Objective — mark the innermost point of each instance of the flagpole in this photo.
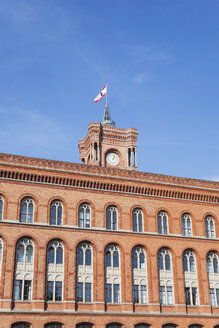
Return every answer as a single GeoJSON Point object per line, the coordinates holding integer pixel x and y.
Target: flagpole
{"type": "Point", "coordinates": [106, 94]}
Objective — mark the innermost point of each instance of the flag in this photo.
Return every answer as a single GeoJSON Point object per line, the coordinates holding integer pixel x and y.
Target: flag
{"type": "Point", "coordinates": [101, 94]}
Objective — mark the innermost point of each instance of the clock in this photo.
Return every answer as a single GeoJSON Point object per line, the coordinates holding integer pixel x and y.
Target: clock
{"type": "Point", "coordinates": [112, 159]}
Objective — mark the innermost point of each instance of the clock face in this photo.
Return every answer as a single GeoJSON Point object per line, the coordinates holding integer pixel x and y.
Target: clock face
{"type": "Point", "coordinates": [112, 159]}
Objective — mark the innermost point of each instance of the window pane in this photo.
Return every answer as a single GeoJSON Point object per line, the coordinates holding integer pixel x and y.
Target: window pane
{"type": "Point", "coordinates": [187, 295]}
{"type": "Point", "coordinates": [114, 220]}
{"type": "Point", "coordinates": [134, 221]}
{"type": "Point", "coordinates": [58, 291]}
{"type": "Point", "coordinates": [217, 296]}
{"type": "Point", "coordinates": [108, 293]}
{"type": "Point", "coordinates": [87, 292]}
{"type": "Point", "coordinates": [169, 295]}
{"type": "Point", "coordinates": [162, 295]}
{"type": "Point", "coordinates": [183, 226]}
{"type": "Point", "coordinates": [134, 260]}
{"type": "Point", "coordinates": [81, 217]}
{"type": "Point", "coordinates": [185, 263]}
{"type": "Point", "coordinates": [29, 254]}
{"type": "Point", "coordinates": [194, 296]}
{"type": "Point", "coordinates": [18, 290]}
{"type": "Point", "coordinates": [0, 251]}
{"type": "Point", "coordinates": [143, 294]}
{"type": "Point", "coordinates": [215, 265]}
{"type": "Point", "coordinates": [142, 261]}
{"type": "Point", "coordinates": [79, 292]}
{"type": "Point", "coordinates": [192, 263]}
{"type": "Point", "coordinates": [212, 298]}
{"type": "Point", "coordinates": [20, 253]}
{"type": "Point", "coordinates": [87, 218]}
{"type": "Point", "coordinates": [51, 255]}
{"type": "Point", "coordinates": [140, 225]}
{"type": "Point", "coordinates": [165, 225]}
{"type": "Point", "coordinates": [116, 293]}
{"type": "Point", "coordinates": [1, 208]}
{"type": "Point", "coordinates": [108, 220]}
{"type": "Point", "coordinates": [88, 257]}
{"type": "Point", "coordinates": [59, 218]}
{"type": "Point", "coordinates": [135, 294]}
{"type": "Point", "coordinates": [160, 261]}
{"type": "Point", "coordinates": [160, 231]}
{"type": "Point", "coordinates": [115, 259]}
{"type": "Point", "coordinates": [59, 255]}
{"type": "Point", "coordinates": [167, 262]}
{"type": "Point", "coordinates": [27, 289]}
{"type": "Point", "coordinates": [108, 259]}
{"type": "Point", "coordinates": [49, 289]}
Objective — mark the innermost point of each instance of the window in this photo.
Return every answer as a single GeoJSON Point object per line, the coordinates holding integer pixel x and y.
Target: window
{"type": "Point", "coordinates": [84, 216]}
{"type": "Point", "coordinates": [84, 273]}
{"type": "Point", "coordinates": [164, 260]}
{"type": "Point", "coordinates": [20, 325]}
{"type": "Point", "coordinates": [53, 325]}
{"type": "Point", "coordinates": [1, 255]}
{"type": "Point", "coordinates": [189, 262]}
{"type": "Point", "coordinates": [162, 220]}
{"type": "Point", "coordinates": [165, 277]}
{"type": "Point", "coordinates": [113, 325]}
{"type": "Point", "coordinates": [191, 295]}
{"type": "Point", "coordinates": [195, 326]}
{"type": "Point", "coordinates": [142, 325]}
{"type": "Point", "coordinates": [186, 225]}
{"type": "Point", "coordinates": [56, 213]}
{"type": "Point", "coordinates": [27, 207]}
{"type": "Point", "coordinates": [137, 220]}
{"type": "Point", "coordinates": [169, 325]}
{"type": "Point", "coordinates": [111, 218]}
{"type": "Point", "coordinates": [139, 275]}
{"type": "Point", "coordinates": [1, 208]}
{"type": "Point", "coordinates": [23, 270]}
{"type": "Point", "coordinates": [84, 325]}
{"type": "Point", "coordinates": [212, 263]}
{"type": "Point", "coordinates": [55, 271]}
{"type": "Point", "coordinates": [209, 227]}
{"type": "Point", "coordinates": [113, 274]}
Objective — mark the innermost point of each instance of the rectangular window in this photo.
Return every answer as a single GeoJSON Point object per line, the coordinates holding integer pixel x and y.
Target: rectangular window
{"type": "Point", "coordinates": [212, 298]}
{"type": "Point", "coordinates": [27, 290]}
{"type": "Point", "coordinates": [58, 291]}
{"type": "Point", "coordinates": [187, 296]}
{"type": "Point", "coordinates": [18, 289]}
{"type": "Point", "coordinates": [108, 293]}
{"type": "Point", "coordinates": [87, 292]}
{"type": "Point", "coordinates": [79, 292]}
{"type": "Point", "coordinates": [169, 295]}
{"type": "Point", "coordinates": [49, 289]}
{"type": "Point", "coordinates": [194, 296]}
{"type": "Point", "coordinates": [162, 295]}
{"type": "Point", "coordinates": [217, 296]}
{"type": "Point", "coordinates": [143, 294]}
{"type": "Point", "coordinates": [135, 294]}
{"type": "Point", "coordinates": [116, 293]}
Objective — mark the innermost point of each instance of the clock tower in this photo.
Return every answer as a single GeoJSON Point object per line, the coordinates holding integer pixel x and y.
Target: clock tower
{"type": "Point", "coordinates": [108, 146]}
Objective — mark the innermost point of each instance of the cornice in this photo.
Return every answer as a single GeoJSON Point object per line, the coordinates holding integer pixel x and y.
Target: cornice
{"type": "Point", "coordinates": [68, 167]}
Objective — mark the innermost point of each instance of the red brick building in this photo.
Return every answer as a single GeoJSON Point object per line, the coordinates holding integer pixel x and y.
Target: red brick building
{"type": "Point", "coordinates": [99, 244]}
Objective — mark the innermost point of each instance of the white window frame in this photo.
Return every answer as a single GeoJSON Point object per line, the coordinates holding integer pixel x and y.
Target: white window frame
{"type": "Point", "coordinates": [57, 203]}
{"type": "Point", "coordinates": [113, 274]}
{"type": "Point", "coordinates": [84, 205]}
{"type": "Point", "coordinates": [209, 219]}
{"type": "Point", "coordinates": [29, 200]}
{"type": "Point", "coordinates": [187, 218]}
{"type": "Point", "coordinates": [160, 216]}
{"type": "Point", "coordinates": [139, 275]}
{"type": "Point", "coordinates": [138, 211]}
{"type": "Point", "coordinates": [112, 209]}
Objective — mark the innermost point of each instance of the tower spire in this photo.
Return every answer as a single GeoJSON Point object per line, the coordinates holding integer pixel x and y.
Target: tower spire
{"type": "Point", "coordinates": [106, 117]}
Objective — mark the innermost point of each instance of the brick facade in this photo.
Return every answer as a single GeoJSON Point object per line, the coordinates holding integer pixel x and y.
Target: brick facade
{"type": "Point", "coordinates": [44, 181]}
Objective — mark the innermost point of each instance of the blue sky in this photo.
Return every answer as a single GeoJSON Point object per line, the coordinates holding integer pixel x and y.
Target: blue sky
{"type": "Point", "coordinates": [160, 60]}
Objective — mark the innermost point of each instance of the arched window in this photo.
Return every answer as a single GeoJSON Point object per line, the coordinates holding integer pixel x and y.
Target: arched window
{"type": "Point", "coordinates": [137, 220]}
{"type": "Point", "coordinates": [213, 278]}
{"type": "Point", "coordinates": [165, 277]}
{"type": "Point", "coordinates": [139, 276]}
{"type": "Point", "coordinates": [84, 273]}
{"type": "Point", "coordinates": [55, 271]}
{"type": "Point", "coordinates": [190, 278]}
{"type": "Point", "coordinates": [169, 325]}
{"type": "Point", "coordinates": [186, 225]}
{"type": "Point", "coordinates": [20, 325]}
{"type": "Point", "coordinates": [56, 213]}
{"type": "Point", "coordinates": [142, 325]}
{"type": "Point", "coordinates": [84, 325]}
{"type": "Point", "coordinates": [113, 274]}
{"type": "Point", "coordinates": [111, 218]}
{"type": "Point", "coordinates": [189, 262]}
{"type": "Point", "coordinates": [84, 216]}
{"type": "Point", "coordinates": [209, 227]}
{"type": "Point", "coordinates": [1, 255]}
{"type": "Point", "coordinates": [195, 326]}
{"type": "Point", "coordinates": [162, 221]}
{"type": "Point", "coordinates": [53, 325]}
{"type": "Point", "coordinates": [27, 209]}
{"type": "Point", "coordinates": [1, 208]}
{"type": "Point", "coordinates": [114, 325]}
{"type": "Point", "coordinates": [24, 270]}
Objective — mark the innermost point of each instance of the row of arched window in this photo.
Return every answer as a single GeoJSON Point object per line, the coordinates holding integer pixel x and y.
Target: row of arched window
{"type": "Point", "coordinates": [84, 218]}
{"type": "Point", "coordinates": [24, 272]}
{"type": "Point", "coordinates": [110, 325]}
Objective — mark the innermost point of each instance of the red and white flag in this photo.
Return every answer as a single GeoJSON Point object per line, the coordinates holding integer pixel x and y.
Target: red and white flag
{"type": "Point", "coordinates": [101, 94]}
